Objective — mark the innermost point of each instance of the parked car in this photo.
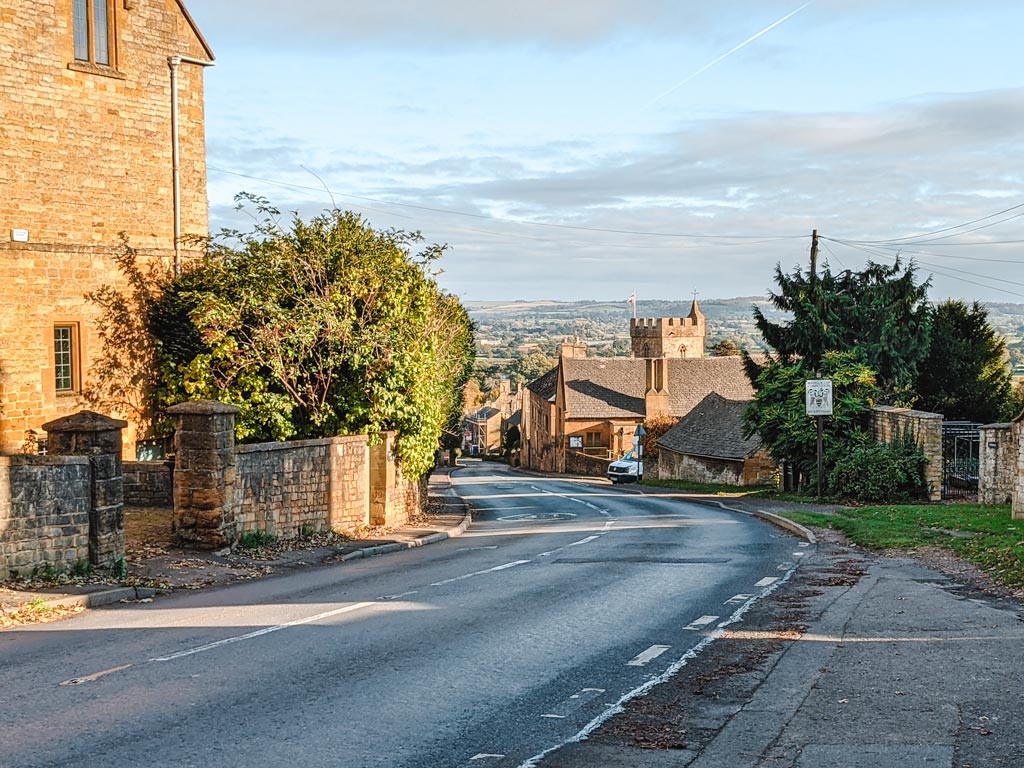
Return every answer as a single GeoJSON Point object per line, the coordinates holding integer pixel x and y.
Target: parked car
{"type": "Point", "coordinates": [627, 469]}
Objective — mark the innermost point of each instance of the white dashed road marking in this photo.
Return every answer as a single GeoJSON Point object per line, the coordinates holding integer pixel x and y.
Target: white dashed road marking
{"type": "Point", "coordinates": [737, 599]}
{"type": "Point", "coordinates": [479, 573]}
{"type": "Point", "coordinates": [700, 623]}
{"type": "Point", "coordinates": [647, 656]}
{"type": "Point", "coordinates": [265, 631]}
{"type": "Point", "coordinates": [766, 581]}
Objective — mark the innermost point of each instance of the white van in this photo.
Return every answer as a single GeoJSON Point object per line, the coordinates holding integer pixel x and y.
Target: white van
{"type": "Point", "coordinates": [627, 469]}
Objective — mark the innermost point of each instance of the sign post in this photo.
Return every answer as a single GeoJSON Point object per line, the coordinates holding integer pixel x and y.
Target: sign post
{"type": "Point", "coordinates": [818, 402]}
{"type": "Point", "coordinates": [640, 433]}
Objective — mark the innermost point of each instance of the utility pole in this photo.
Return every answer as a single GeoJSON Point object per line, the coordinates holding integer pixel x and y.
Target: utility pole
{"type": "Point", "coordinates": [814, 253]}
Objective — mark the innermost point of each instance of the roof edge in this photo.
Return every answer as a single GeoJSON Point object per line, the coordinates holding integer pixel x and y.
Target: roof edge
{"type": "Point", "coordinates": [195, 29]}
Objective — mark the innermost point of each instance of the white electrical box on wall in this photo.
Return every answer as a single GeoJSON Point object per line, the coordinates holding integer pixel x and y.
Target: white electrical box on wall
{"type": "Point", "coordinates": [19, 235]}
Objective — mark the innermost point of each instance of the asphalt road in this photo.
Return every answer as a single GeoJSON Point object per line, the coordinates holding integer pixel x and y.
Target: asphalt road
{"type": "Point", "coordinates": [488, 650]}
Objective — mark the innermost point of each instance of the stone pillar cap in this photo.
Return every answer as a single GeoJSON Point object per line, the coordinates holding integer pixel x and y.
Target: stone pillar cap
{"type": "Point", "coordinates": [84, 421]}
{"type": "Point", "coordinates": [203, 408]}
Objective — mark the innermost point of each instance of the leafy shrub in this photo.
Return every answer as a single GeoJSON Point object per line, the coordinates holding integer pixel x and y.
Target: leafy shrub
{"type": "Point", "coordinates": [255, 539]}
{"type": "Point", "coordinates": [881, 473]}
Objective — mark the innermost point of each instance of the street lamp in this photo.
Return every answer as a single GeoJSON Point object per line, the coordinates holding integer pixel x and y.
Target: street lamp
{"type": "Point", "coordinates": [640, 434]}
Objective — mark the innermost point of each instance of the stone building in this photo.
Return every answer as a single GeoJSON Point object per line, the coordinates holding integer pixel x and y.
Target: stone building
{"type": "Point", "coordinates": [708, 446]}
{"type": "Point", "coordinates": [585, 410]}
{"type": "Point", "coordinates": [86, 153]}
{"type": "Point", "coordinates": [669, 336]}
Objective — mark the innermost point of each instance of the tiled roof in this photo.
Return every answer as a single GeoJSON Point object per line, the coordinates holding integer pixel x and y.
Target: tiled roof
{"type": "Point", "coordinates": [613, 387]}
{"type": "Point", "coordinates": [713, 429]}
{"type": "Point", "coordinates": [545, 385]}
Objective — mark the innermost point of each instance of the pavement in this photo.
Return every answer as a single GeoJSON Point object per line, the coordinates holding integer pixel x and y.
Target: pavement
{"type": "Point", "coordinates": [859, 660]}
{"type": "Point", "coordinates": [155, 570]}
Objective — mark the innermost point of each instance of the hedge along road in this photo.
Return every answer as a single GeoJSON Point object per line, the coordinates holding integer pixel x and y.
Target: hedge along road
{"type": "Point", "coordinates": [561, 602]}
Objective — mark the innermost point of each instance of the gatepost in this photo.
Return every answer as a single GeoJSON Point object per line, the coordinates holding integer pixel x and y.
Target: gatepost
{"type": "Point", "coordinates": [98, 437]}
{"type": "Point", "coordinates": [204, 474]}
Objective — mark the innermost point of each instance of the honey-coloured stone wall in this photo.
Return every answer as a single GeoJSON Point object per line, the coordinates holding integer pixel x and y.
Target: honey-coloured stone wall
{"type": "Point", "coordinates": [85, 154]}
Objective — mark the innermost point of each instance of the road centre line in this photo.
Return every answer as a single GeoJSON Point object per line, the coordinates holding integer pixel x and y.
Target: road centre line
{"type": "Point", "coordinates": [668, 674]}
{"type": "Point", "coordinates": [700, 623]}
{"type": "Point", "coordinates": [264, 631]}
{"type": "Point", "coordinates": [646, 657]}
{"type": "Point", "coordinates": [480, 573]}
{"type": "Point", "coordinates": [766, 581]}
{"type": "Point", "coordinates": [485, 756]}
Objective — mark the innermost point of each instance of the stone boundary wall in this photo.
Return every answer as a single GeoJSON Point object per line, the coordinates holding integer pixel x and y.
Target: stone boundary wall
{"type": "Point", "coordinates": [997, 464]}
{"type": "Point", "coordinates": [148, 484]}
{"type": "Point", "coordinates": [305, 486]}
{"type": "Point", "coordinates": [697, 469]}
{"type": "Point", "coordinates": [577, 463]}
{"type": "Point", "coordinates": [45, 503]}
{"type": "Point", "coordinates": [889, 422]}
{"type": "Point", "coordinates": [283, 488]}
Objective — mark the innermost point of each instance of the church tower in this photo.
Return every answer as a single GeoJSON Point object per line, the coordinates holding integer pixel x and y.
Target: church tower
{"type": "Point", "coordinates": [669, 336]}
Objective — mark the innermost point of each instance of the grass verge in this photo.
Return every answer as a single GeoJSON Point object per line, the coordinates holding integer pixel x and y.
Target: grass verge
{"type": "Point", "coordinates": [983, 535]}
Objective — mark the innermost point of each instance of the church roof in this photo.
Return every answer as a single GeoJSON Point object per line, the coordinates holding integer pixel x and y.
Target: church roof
{"type": "Point", "coordinates": [713, 429]}
{"type": "Point", "coordinates": [614, 387]}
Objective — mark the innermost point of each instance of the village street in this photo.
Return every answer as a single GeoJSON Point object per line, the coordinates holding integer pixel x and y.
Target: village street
{"type": "Point", "coordinates": [487, 650]}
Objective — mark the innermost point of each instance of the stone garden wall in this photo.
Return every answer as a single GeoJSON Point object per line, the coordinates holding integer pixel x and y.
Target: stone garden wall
{"type": "Point", "coordinates": [889, 423]}
{"type": "Point", "coordinates": [44, 513]}
{"type": "Point", "coordinates": [997, 464]}
{"type": "Point", "coordinates": [148, 484]}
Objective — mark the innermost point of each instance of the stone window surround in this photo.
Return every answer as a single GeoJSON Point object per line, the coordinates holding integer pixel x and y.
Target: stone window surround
{"type": "Point", "coordinates": [88, 61]}
{"type": "Point", "coordinates": [66, 371]}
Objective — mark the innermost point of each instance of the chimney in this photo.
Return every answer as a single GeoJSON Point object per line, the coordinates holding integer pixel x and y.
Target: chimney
{"type": "Point", "coordinates": [656, 401]}
{"type": "Point", "coordinates": [572, 348]}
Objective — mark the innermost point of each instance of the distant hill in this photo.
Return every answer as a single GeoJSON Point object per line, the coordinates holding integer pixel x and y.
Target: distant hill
{"type": "Point", "coordinates": [508, 329]}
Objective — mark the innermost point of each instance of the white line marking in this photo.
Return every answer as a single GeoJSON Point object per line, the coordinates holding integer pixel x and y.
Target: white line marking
{"type": "Point", "coordinates": [647, 656]}
{"type": "Point", "coordinates": [95, 675]}
{"type": "Point", "coordinates": [484, 756]}
{"type": "Point", "coordinates": [264, 631]}
{"type": "Point", "coordinates": [766, 581]}
{"type": "Point", "coordinates": [555, 717]}
{"type": "Point", "coordinates": [668, 674]}
{"type": "Point", "coordinates": [586, 690]}
{"type": "Point", "coordinates": [608, 526]}
{"type": "Point", "coordinates": [799, 554]}
{"type": "Point", "coordinates": [700, 623]}
{"type": "Point", "coordinates": [466, 549]}
{"type": "Point", "coordinates": [804, 544]}
{"type": "Point", "coordinates": [784, 566]}
{"type": "Point", "coordinates": [582, 541]}
{"type": "Point", "coordinates": [480, 573]}
{"type": "Point", "coordinates": [737, 599]}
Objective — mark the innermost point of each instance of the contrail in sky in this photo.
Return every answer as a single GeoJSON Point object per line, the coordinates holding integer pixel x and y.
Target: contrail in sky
{"type": "Point", "coordinates": [728, 53]}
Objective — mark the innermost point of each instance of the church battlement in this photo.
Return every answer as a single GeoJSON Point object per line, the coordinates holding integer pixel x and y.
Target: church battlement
{"type": "Point", "coordinates": [655, 326]}
{"type": "Point", "coordinates": [654, 337]}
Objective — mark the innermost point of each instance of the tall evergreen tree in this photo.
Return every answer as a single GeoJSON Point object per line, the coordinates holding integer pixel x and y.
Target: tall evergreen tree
{"type": "Point", "coordinates": [879, 313]}
{"type": "Point", "coordinates": [965, 374]}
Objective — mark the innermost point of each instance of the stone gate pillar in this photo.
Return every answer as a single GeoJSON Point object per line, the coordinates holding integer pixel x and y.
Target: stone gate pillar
{"type": "Point", "coordinates": [204, 474]}
{"type": "Point", "coordinates": [99, 437]}
{"type": "Point", "coordinates": [1017, 447]}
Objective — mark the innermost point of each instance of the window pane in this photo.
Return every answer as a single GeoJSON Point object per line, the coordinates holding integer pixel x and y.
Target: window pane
{"type": "Point", "coordinates": [101, 31]}
{"type": "Point", "coordinates": [62, 358]}
{"type": "Point", "coordinates": [81, 24]}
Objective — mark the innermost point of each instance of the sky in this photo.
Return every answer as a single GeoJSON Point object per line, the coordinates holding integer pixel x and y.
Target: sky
{"type": "Point", "coordinates": [584, 149]}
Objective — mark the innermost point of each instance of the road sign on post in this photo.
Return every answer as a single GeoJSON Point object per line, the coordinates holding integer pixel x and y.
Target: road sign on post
{"type": "Point", "coordinates": [818, 401]}
{"type": "Point", "coordinates": [818, 394]}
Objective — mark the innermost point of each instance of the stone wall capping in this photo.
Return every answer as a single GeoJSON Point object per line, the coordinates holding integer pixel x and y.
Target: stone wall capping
{"type": "Point", "coordinates": [203, 408]}
{"type": "Point", "coordinates": [84, 421]}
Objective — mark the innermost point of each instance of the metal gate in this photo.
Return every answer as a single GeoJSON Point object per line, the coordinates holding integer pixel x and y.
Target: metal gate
{"type": "Point", "coordinates": [961, 442]}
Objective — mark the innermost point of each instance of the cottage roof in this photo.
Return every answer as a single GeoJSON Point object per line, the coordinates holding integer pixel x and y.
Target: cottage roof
{"type": "Point", "coordinates": [545, 385]}
{"type": "Point", "coordinates": [487, 412]}
{"type": "Point", "coordinates": [714, 429]}
{"type": "Point", "coordinates": [614, 387]}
